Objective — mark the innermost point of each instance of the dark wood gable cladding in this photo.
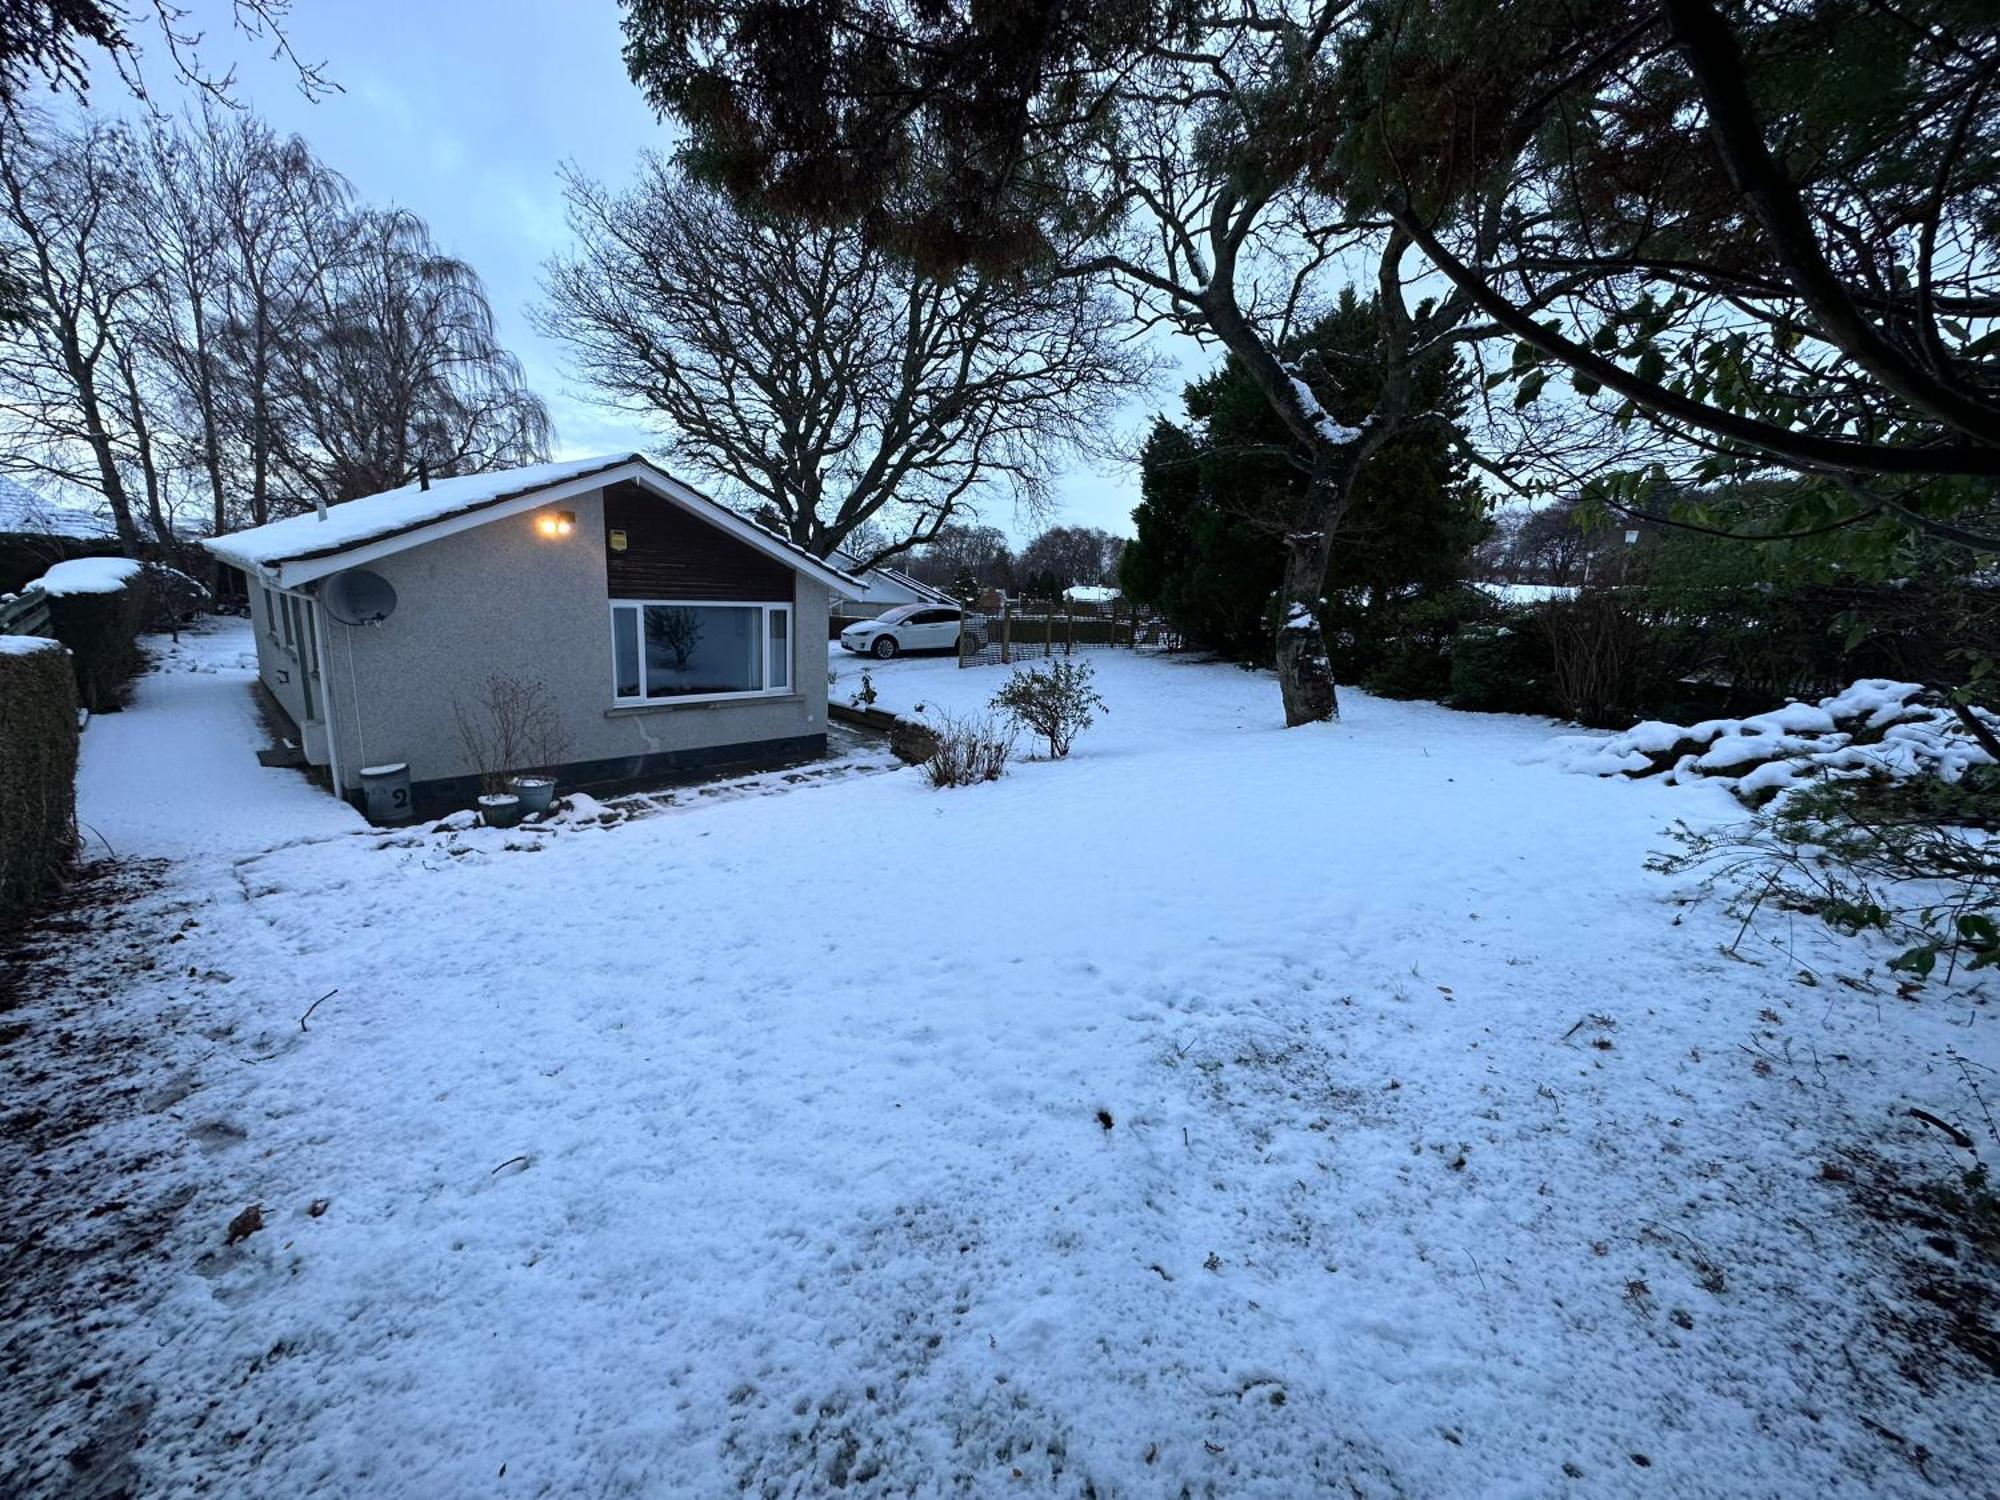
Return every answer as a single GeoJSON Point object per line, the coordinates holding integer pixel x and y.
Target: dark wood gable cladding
{"type": "Point", "coordinates": [673, 554]}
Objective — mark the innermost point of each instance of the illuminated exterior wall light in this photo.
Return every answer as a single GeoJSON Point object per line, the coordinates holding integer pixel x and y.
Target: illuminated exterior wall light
{"type": "Point", "coordinates": [556, 524]}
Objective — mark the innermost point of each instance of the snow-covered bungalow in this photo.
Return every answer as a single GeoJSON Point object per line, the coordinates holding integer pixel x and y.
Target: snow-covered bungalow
{"type": "Point", "coordinates": [880, 588]}
{"type": "Point", "coordinates": [664, 632]}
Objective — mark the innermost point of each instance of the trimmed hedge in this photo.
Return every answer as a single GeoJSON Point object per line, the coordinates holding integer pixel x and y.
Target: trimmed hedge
{"type": "Point", "coordinates": [38, 742]}
{"type": "Point", "coordinates": [102, 633]}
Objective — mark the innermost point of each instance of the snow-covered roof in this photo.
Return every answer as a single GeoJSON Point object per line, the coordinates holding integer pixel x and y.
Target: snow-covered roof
{"type": "Point", "coordinates": [23, 510]}
{"type": "Point", "coordinates": [87, 575]}
{"type": "Point", "coordinates": [883, 584]}
{"type": "Point", "coordinates": [1092, 593]}
{"type": "Point", "coordinates": [299, 549]}
{"type": "Point", "coordinates": [1526, 593]}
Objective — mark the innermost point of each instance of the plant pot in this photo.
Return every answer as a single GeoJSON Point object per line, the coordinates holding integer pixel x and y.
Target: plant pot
{"type": "Point", "coordinates": [535, 792]}
{"type": "Point", "coordinates": [500, 809]}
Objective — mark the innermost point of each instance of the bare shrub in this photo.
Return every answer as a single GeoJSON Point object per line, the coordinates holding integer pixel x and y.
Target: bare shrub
{"type": "Point", "coordinates": [513, 725]}
{"type": "Point", "coordinates": [967, 751]}
{"type": "Point", "coordinates": [1608, 658]}
{"type": "Point", "coordinates": [1055, 702]}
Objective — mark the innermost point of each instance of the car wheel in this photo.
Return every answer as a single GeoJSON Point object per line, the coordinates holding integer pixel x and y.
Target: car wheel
{"type": "Point", "coordinates": [885, 647]}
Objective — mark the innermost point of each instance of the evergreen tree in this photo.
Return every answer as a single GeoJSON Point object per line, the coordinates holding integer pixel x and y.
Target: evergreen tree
{"type": "Point", "coordinates": [1205, 555]}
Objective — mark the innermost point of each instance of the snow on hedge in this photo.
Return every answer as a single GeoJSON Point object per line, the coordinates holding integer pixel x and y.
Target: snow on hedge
{"type": "Point", "coordinates": [87, 575]}
{"type": "Point", "coordinates": [27, 645]}
{"type": "Point", "coordinates": [1876, 727]}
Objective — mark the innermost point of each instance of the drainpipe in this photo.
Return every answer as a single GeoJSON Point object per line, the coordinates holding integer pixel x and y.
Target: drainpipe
{"type": "Point", "coordinates": [321, 620]}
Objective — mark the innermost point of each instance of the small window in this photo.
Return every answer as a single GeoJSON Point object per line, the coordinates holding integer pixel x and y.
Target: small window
{"type": "Point", "coordinates": [289, 615]}
{"type": "Point", "coordinates": [781, 650]}
{"type": "Point", "coordinates": [625, 651]}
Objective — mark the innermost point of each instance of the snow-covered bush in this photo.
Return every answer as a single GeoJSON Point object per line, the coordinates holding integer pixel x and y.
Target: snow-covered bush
{"type": "Point", "coordinates": [1877, 810]}
{"type": "Point", "coordinates": [1911, 858]}
{"type": "Point", "coordinates": [967, 751]}
{"type": "Point", "coordinates": [38, 741]}
{"type": "Point", "coordinates": [97, 606]}
{"type": "Point", "coordinates": [1055, 702]}
{"type": "Point", "coordinates": [1873, 728]}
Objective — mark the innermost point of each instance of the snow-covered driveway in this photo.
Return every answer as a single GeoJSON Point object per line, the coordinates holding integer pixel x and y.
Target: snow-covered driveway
{"type": "Point", "coordinates": [1331, 1111]}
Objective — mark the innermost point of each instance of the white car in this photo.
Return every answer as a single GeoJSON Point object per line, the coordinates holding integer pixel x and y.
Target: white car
{"type": "Point", "coordinates": [913, 627]}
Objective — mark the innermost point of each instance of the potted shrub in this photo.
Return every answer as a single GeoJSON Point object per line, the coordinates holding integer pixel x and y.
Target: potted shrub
{"type": "Point", "coordinates": [500, 809]}
{"type": "Point", "coordinates": [513, 722]}
{"type": "Point", "coordinates": [535, 792]}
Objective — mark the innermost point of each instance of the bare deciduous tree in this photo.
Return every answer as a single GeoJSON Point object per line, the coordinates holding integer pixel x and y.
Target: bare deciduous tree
{"type": "Point", "coordinates": [65, 206]}
{"type": "Point", "coordinates": [395, 362]}
{"type": "Point", "coordinates": [210, 329]}
{"type": "Point", "coordinates": [814, 375]}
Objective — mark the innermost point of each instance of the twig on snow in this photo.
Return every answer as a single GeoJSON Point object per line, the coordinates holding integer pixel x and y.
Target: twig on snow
{"type": "Point", "coordinates": [1958, 1137]}
{"type": "Point", "coordinates": [315, 1006]}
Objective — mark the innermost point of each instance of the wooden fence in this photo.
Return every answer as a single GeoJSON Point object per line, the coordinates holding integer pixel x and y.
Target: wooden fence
{"type": "Point", "coordinates": [1032, 630]}
{"type": "Point", "coordinates": [25, 614]}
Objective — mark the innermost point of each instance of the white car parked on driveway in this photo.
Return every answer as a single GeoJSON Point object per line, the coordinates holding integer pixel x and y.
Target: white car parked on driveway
{"type": "Point", "coordinates": [913, 627]}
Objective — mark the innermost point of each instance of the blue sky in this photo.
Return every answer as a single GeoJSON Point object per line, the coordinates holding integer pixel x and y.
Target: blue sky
{"type": "Point", "coordinates": [461, 110]}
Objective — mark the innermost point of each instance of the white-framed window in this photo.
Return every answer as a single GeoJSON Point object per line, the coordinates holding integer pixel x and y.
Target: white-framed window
{"type": "Point", "coordinates": [698, 651]}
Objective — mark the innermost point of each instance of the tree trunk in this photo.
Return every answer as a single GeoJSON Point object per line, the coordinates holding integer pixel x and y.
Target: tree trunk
{"type": "Point", "coordinates": [1305, 669]}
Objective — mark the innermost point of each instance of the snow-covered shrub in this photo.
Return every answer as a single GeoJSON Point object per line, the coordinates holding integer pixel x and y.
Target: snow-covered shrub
{"type": "Point", "coordinates": [1872, 728]}
{"type": "Point", "coordinates": [1055, 702]}
{"type": "Point", "coordinates": [1910, 858]}
{"type": "Point", "coordinates": [38, 741]}
{"type": "Point", "coordinates": [967, 751]}
{"type": "Point", "coordinates": [98, 614]}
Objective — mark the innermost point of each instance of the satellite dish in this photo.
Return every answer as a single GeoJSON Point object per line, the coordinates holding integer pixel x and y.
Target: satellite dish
{"type": "Point", "coordinates": [358, 596]}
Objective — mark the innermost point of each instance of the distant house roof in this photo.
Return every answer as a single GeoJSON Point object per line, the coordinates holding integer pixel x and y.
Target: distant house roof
{"type": "Point", "coordinates": [24, 511]}
{"type": "Point", "coordinates": [302, 548]}
{"type": "Point", "coordinates": [885, 585]}
{"type": "Point", "coordinates": [1092, 593]}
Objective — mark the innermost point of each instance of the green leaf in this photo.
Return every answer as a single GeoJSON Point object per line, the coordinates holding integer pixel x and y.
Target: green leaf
{"type": "Point", "coordinates": [1585, 385]}
{"type": "Point", "coordinates": [1920, 960]}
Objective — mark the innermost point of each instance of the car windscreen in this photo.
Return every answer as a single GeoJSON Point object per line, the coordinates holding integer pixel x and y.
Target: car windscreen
{"type": "Point", "coordinates": [897, 615]}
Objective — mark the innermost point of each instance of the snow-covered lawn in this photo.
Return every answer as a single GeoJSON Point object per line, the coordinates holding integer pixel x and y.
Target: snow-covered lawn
{"type": "Point", "coordinates": [1227, 1111]}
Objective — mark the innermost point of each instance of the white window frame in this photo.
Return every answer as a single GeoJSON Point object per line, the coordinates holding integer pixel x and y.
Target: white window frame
{"type": "Point", "coordinates": [765, 608]}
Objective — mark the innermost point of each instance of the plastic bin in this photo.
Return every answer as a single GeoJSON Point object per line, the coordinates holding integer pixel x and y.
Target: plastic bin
{"type": "Point", "coordinates": [385, 792]}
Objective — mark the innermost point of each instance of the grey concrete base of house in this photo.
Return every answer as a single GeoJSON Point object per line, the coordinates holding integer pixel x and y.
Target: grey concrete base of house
{"type": "Point", "coordinates": [432, 799]}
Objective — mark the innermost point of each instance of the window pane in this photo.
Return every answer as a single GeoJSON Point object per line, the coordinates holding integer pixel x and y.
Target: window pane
{"type": "Point", "coordinates": [625, 651]}
{"type": "Point", "coordinates": [695, 649]}
{"type": "Point", "coordinates": [781, 650]}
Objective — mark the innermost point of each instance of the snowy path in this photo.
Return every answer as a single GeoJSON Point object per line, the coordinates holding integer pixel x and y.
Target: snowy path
{"type": "Point", "coordinates": [176, 773]}
{"type": "Point", "coordinates": [1335, 1111]}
